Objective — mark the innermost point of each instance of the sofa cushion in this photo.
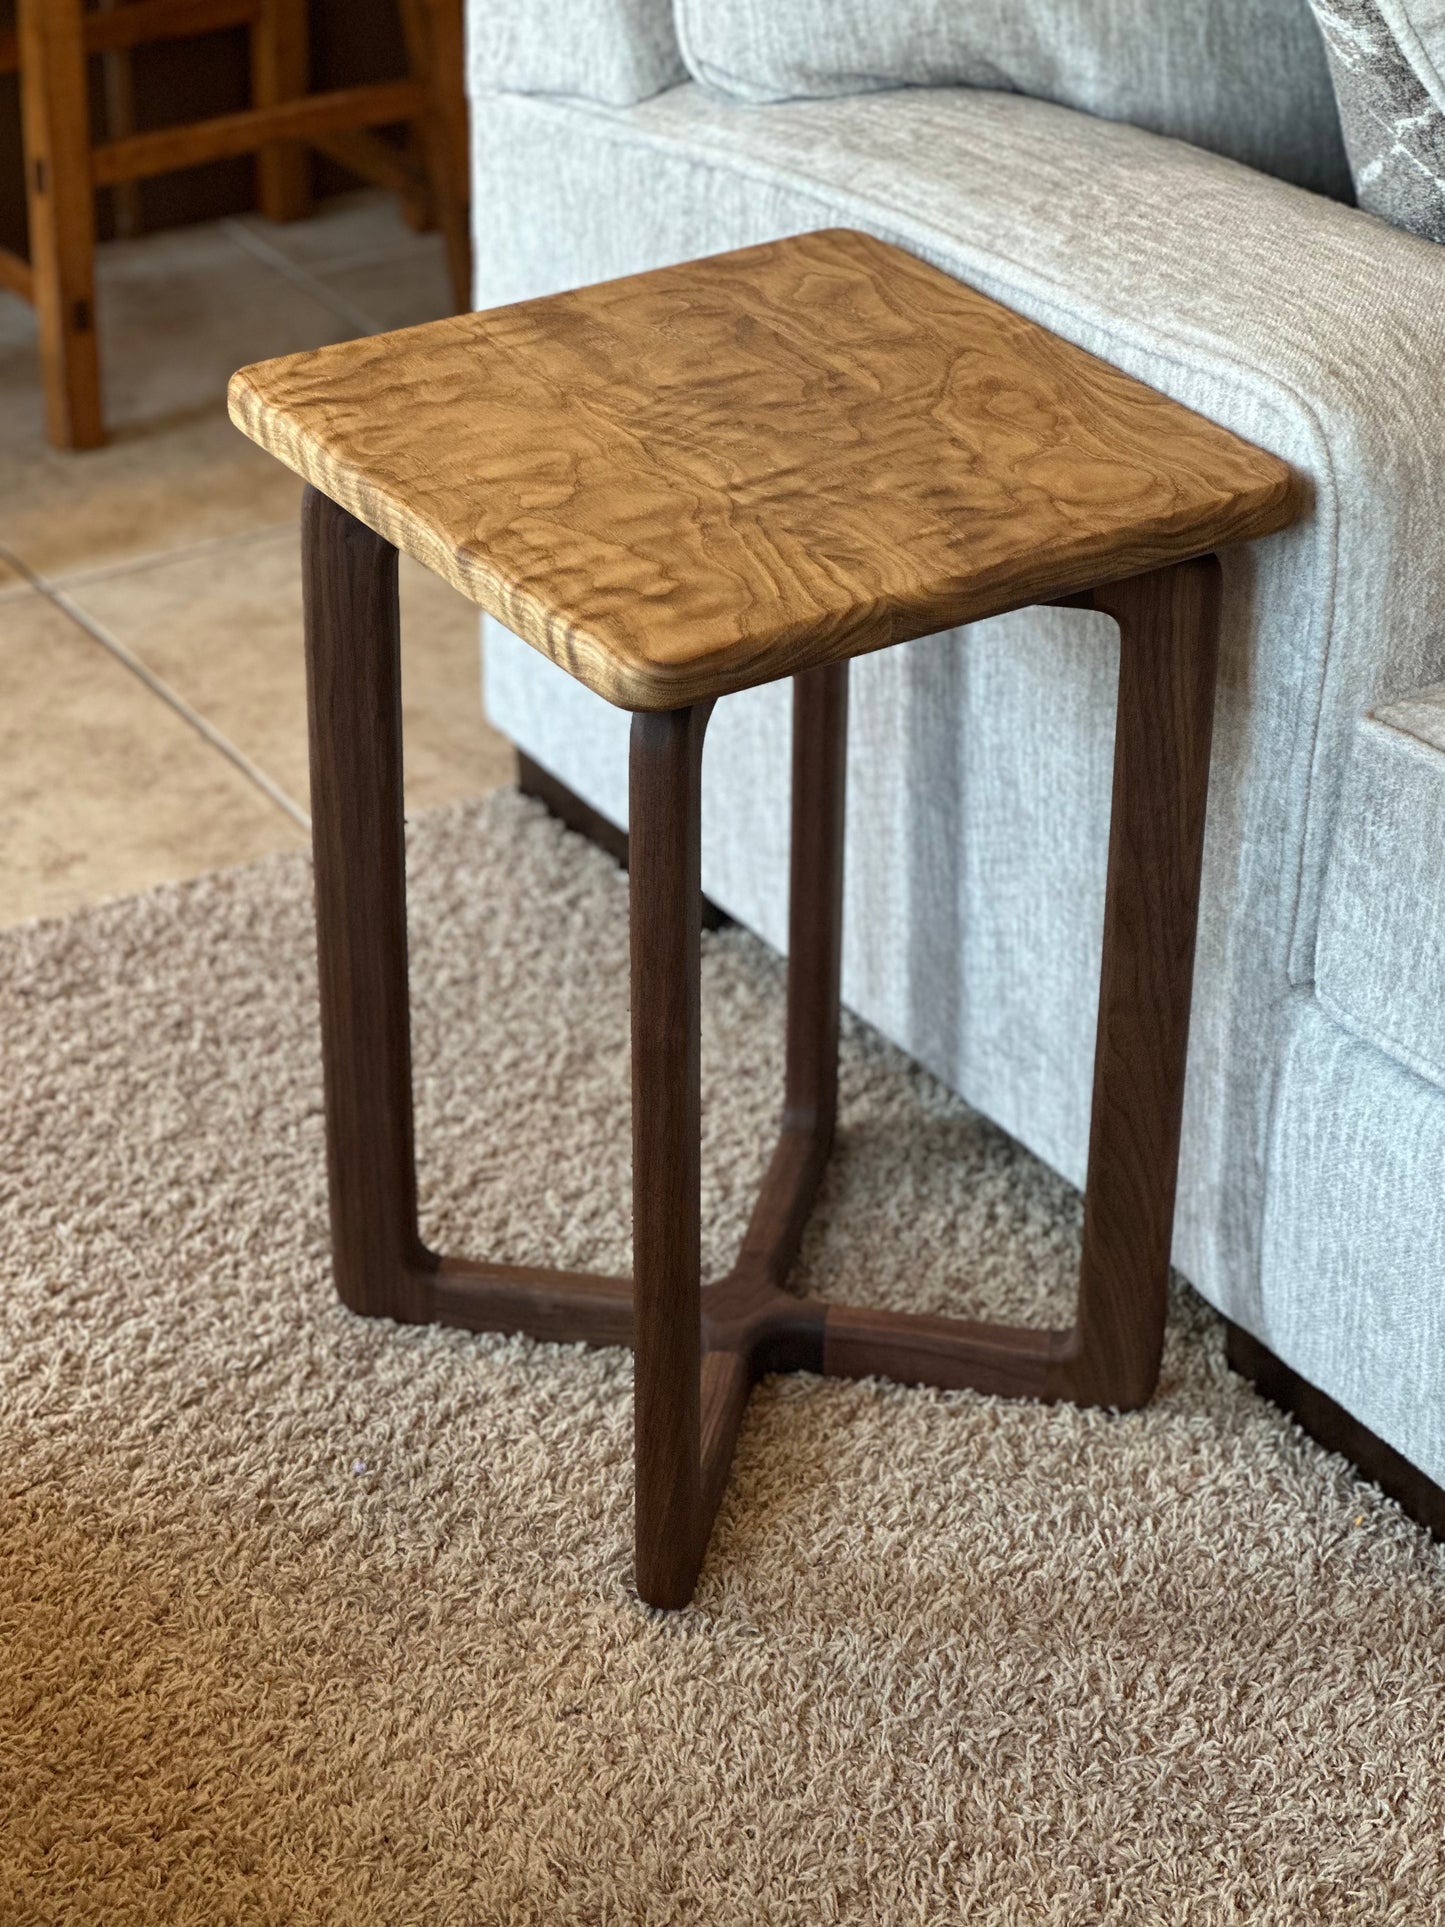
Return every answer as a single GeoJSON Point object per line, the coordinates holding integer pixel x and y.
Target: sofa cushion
{"type": "Point", "coordinates": [1246, 78]}
{"type": "Point", "coordinates": [1383, 56]}
{"type": "Point", "coordinates": [614, 51]}
{"type": "Point", "coordinates": [1381, 958]}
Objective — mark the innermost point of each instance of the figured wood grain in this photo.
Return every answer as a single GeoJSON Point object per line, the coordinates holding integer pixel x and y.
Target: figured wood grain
{"type": "Point", "coordinates": [715, 475]}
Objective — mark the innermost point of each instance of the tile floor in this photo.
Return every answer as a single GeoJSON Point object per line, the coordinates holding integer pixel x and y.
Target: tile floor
{"type": "Point", "coordinates": [152, 708]}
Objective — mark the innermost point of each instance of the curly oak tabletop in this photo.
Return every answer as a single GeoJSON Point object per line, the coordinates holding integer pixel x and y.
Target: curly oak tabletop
{"type": "Point", "coordinates": [714, 475]}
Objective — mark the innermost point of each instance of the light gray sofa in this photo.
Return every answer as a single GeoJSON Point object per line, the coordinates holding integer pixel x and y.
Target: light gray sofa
{"type": "Point", "coordinates": [1312, 1192]}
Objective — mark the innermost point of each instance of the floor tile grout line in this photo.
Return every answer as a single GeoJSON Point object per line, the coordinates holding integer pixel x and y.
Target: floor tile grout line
{"type": "Point", "coordinates": [261, 249]}
{"type": "Point", "coordinates": [160, 688]}
{"type": "Point", "coordinates": [158, 558]}
{"type": "Point", "coordinates": [369, 255]}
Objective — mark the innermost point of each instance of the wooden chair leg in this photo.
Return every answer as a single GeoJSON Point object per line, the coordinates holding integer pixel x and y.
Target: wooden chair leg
{"type": "Point", "coordinates": [1168, 655]}
{"type": "Point", "coordinates": [281, 70]}
{"type": "Point", "coordinates": [418, 204]}
{"type": "Point", "coordinates": [55, 112]}
{"type": "Point", "coordinates": [665, 813]}
{"type": "Point", "coordinates": [353, 674]}
{"type": "Point", "coordinates": [117, 85]}
{"type": "Point", "coordinates": [435, 47]}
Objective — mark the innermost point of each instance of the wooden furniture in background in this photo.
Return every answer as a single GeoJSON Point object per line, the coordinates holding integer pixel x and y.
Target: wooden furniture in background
{"type": "Point", "coordinates": [687, 483]}
{"type": "Point", "coordinates": [51, 49]}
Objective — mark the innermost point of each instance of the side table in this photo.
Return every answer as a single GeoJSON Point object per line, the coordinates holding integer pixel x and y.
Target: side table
{"type": "Point", "coordinates": [676, 486]}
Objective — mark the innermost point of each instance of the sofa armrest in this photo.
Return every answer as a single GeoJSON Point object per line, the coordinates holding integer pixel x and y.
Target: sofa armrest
{"type": "Point", "coordinates": [615, 51]}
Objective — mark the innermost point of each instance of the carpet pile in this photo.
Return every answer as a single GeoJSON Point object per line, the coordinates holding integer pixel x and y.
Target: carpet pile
{"type": "Point", "coordinates": [307, 1619]}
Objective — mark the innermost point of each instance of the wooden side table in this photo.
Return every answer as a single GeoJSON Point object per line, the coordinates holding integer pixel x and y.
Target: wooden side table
{"type": "Point", "coordinates": [687, 483]}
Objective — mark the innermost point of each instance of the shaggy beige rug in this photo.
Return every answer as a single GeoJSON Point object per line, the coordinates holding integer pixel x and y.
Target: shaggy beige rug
{"type": "Point", "coordinates": [307, 1619]}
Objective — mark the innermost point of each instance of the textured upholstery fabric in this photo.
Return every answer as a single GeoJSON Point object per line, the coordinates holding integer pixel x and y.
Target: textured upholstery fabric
{"type": "Point", "coordinates": [1381, 967]}
{"type": "Point", "coordinates": [1246, 78]}
{"type": "Point", "coordinates": [1419, 27]}
{"type": "Point", "coordinates": [1354, 1238]}
{"type": "Point", "coordinates": [1392, 107]}
{"type": "Point", "coordinates": [980, 762]}
{"type": "Point", "coordinates": [616, 51]}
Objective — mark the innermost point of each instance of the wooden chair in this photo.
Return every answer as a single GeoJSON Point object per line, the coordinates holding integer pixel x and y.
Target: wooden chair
{"type": "Point", "coordinates": [64, 167]}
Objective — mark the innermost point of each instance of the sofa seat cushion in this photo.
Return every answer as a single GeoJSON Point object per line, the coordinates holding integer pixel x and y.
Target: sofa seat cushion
{"type": "Point", "coordinates": [1246, 78]}
{"type": "Point", "coordinates": [1381, 960]}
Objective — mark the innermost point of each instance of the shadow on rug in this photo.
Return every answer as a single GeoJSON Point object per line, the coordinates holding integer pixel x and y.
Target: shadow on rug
{"type": "Point", "coordinates": [306, 1619]}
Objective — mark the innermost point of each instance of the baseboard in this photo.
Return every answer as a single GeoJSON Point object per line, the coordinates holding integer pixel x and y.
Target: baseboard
{"type": "Point", "coordinates": [569, 808]}
{"type": "Point", "coordinates": [1334, 1428]}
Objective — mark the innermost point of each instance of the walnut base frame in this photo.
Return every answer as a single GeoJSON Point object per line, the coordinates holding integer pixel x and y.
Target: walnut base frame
{"type": "Point", "coordinates": [698, 1350]}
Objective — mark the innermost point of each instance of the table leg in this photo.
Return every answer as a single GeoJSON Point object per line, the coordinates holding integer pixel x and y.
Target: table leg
{"type": "Point", "coordinates": [1168, 648]}
{"type": "Point", "coordinates": [688, 1404]}
{"type": "Point", "coordinates": [665, 813]}
{"type": "Point", "coordinates": [353, 672]}
{"type": "Point", "coordinates": [810, 1103]}
{"type": "Point", "coordinates": [1168, 654]}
